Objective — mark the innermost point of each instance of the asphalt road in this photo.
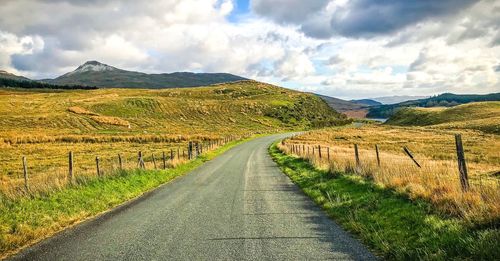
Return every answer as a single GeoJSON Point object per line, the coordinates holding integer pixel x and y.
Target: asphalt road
{"type": "Point", "coordinates": [239, 206]}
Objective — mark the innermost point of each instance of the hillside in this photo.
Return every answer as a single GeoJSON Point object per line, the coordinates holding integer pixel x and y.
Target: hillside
{"type": "Point", "coordinates": [349, 108]}
{"type": "Point", "coordinates": [93, 73]}
{"type": "Point", "coordinates": [483, 116]}
{"type": "Point", "coordinates": [368, 102]}
{"type": "Point", "coordinates": [442, 100]}
{"type": "Point", "coordinates": [245, 106]}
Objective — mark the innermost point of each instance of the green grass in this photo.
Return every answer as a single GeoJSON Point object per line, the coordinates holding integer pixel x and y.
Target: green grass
{"type": "Point", "coordinates": [482, 116]}
{"type": "Point", "coordinates": [389, 223]}
{"type": "Point", "coordinates": [27, 220]}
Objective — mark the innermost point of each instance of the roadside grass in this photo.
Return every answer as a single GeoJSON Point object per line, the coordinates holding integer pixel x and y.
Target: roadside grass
{"type": "Point", "coordinates": [437, 180]}
{"type": "Point", "coordinates": [26, 220]}
{"type": "Point", "coordinates": [394, 226]}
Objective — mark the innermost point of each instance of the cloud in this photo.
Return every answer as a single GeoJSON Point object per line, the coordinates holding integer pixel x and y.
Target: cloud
{"type": "Point", "coordinates": [357, 48]}
{"type": "Point", "coordinates": [288, 11]}
{"type": "Point", "coordinates": [357, 18]}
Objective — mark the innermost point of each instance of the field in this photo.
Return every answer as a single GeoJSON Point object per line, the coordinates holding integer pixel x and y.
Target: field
{"type": "Point", "coordinates": [437, 181]}
{"type": "Point", "coordinates": [482, 116]}
{"type": "Point", "coordinates": [44, 125]}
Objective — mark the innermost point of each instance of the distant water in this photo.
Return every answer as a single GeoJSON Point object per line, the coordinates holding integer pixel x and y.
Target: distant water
{"type": "Point", "coordinates": [377, 119]}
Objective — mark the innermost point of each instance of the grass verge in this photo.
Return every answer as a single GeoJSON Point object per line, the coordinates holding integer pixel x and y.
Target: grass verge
{"type": "Point", "coordinates": [25, 221]}
{"type": "Point", "coordinates": [388, 222]}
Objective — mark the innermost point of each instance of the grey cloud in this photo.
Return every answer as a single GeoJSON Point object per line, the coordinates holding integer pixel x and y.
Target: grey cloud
{"type": "Point", "coordinates": [358, 18]}
{"type": "Point", "coordinates": [287, 11]}
{"type": "Point", "coordinates": [336, 59]}
{"type": "Point", "coordinates": [366, 18]}
{"type": "Point", "coordinates": [37, 61]}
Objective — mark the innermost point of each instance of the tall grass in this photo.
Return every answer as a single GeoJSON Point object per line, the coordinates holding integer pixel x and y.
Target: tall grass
{"type": "Point", "coordinates": [437, 181]}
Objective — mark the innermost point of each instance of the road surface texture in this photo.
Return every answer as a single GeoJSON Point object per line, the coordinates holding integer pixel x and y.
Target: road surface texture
{"type": "Point", "coordinates": [239, 206]}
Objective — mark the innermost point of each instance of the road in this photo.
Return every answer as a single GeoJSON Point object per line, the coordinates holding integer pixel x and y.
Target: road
{"type": "Point", "coordinates": [239, 206]}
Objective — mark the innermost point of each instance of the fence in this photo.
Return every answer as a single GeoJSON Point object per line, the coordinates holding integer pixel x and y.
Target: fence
{"type": "Point", "coordinates": [446, 183]}
{"type": "Point", "coordinates": [104, 166]}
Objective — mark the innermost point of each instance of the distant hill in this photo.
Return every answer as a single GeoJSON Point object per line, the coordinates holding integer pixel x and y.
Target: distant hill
{"type": "Point", "coordinates": [94, 73]}
{"type": "Point", "coordinates": [442, 100]}
{"type": "Point", "coordinates": [368, 102]}
{"type": "Point", "coordinates": [397, 99]}
{"type": "Point", "coordinates": [11, 76]}
{"type": "Point", "coordinates": [483, 116]}
{"type": "Point", "coordinates": [349, 108]}
{"type": "Point", "coordinates": [25, 83]}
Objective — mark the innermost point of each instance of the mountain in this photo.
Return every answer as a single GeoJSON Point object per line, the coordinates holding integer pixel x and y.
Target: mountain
{"type": "Point", "coordinates": [368, 102]}
{"type": "Point", "coordinates": [442, 100]}
{"type": "Point", "coordinates": [397, 99]}
{"type": "Point", "coordinates": [349, 108]}
{"type": "Point", "coordinates": [94, 73]}
{"type": "Point", "coordinates": [11, 76]}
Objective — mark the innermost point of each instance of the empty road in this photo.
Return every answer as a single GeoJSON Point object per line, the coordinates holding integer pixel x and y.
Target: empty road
{"type": "Point", "coordinates": [239, 206]}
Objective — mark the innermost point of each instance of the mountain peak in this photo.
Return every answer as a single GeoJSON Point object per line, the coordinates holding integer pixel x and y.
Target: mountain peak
{"type": "Point", "coordinates": [93, 66]}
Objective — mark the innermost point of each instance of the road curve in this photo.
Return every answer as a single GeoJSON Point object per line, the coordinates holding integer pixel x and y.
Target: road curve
{"type": "Point", "coordinates": [239, 206]}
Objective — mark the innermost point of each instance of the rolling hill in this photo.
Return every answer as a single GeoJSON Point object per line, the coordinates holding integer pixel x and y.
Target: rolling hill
{"type": "Point", "coordinates": [442, 100]}
{"type": "Point", "coordinates": [483, 116]}
{"type": "Point", "coordinates": [93, 73]}
{"type": "Point", "coordinates": [239, 107]}
{"type": "Point", "coordinates": [349, 108]}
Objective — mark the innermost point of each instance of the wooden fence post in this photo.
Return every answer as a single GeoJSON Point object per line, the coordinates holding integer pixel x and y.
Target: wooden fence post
{"type": "Point", "coordinates": [120, 163]}
{"type": "Point", "coordinates": [140, 162]}
{"type": "Point", "coordinates": [328, 153]}
{"type": "Point", "coordinates": [97, 166]}
{"type": "Point", "coordinates": [154, 160]}
{"type": "Point", "coordinates": [303, 149]}
{"type": "Point", "coordinates": [408, 152]}
{"type": "Point", "coordinates": [172, 154]}
{"type": "Point", "coordinates": [356, 155]}
{"type": "Point", "coordinates": [25, 172]}
{"type": "Point", "coordinates": [164, 160]}
{"type": "Point", "coordinates": [70, 167]}
{"type": "Point", "coordinates": [462, 166]}
{"type": "Point", "coordinates": [190, 150]}
{"type": "Point", "coordinates": [178, 153]}
{"type": "Point", "coordinates": [378, 157]}
{"type": "Point", "coordinates": [319, 151]}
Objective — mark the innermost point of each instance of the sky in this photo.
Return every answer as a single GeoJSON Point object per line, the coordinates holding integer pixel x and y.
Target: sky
{"type": "Point", "coordinates": [342, 48]}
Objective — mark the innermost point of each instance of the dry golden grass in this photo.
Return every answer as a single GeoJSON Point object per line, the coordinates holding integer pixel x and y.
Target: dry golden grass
{"type": "Point", "coordinates": [438, 179]}
{"type": "Point", "coordinates": [80, 110]}
{"type": "Point", "coordinates": [110, 120]}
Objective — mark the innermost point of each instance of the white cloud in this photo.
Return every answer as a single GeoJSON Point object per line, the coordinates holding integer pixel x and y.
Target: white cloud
{"type": "Point", "coordinates": [290, 43]}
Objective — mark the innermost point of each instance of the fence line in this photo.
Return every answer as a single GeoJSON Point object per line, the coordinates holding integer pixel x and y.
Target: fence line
{"type": "Point", "coordinates": [308, 151]}
{"type": "Point", "coordinates": [194, 150]}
